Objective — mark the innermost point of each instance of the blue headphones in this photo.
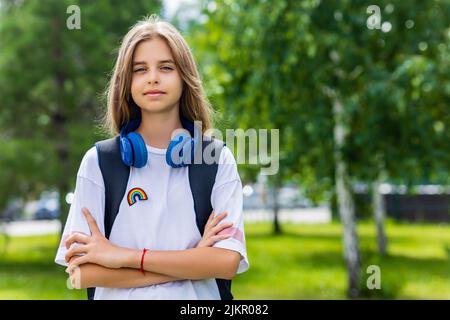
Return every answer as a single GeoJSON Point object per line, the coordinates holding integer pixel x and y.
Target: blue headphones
{"type": "Point", "coordinates": [180, 152]}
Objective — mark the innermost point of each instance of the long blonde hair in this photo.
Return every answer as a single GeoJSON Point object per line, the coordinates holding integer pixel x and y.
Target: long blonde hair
{"type": "Point", "coordinates": [194, 104]}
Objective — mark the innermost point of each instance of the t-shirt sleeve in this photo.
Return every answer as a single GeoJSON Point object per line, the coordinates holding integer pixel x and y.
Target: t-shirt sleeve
{"type": "Point", "coordinates": [227, 196]}
{"type": "Point", "coordinates": [89, 193]}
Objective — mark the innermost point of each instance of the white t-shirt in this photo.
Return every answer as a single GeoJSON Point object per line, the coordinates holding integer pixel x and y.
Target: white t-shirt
{"type": "Point", "coordinates": [157, 212]}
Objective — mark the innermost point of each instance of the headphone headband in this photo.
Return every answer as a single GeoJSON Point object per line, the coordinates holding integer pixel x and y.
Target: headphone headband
{"type": "Point", "coordinates": [134, 152]}
{"type": "Point", "coordinates": [130, 126]}
{"type": "Point", "coordinates": [133, 124]}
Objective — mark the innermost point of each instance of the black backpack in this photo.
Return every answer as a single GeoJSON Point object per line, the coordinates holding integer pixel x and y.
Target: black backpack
{"type": "Point", "coordinates": [201, 179]}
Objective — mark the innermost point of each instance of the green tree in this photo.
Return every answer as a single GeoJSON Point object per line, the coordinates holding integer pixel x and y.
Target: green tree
{"type": "Point", "coordinates": [316, 71]}
{"type": "Point", "coordinates": [51, 79]}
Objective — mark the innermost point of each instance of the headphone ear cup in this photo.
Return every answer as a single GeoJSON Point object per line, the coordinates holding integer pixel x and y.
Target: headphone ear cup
{"type": "Point", "coordinates": [126, 151]}
{"type": "Point", "coordinates": [180, 151]}
{"type": "Point", "coordinates": [139, 149]}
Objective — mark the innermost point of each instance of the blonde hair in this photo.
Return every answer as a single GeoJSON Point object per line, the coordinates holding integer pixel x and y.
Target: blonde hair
{"type": "Point", "coordinates": [194, 104]}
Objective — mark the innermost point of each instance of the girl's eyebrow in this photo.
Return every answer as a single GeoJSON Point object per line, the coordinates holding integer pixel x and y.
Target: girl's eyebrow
{"type": "Point", "coordinates": [161, 61]}
{"type": "Point", "coordinates": [167, 61]}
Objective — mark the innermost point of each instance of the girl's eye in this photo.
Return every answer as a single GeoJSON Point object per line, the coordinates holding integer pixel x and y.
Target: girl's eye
{"type": "Point", "coordinates": [162, 68]}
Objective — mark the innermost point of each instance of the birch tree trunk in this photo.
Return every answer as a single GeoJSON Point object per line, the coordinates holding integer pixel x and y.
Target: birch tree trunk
{"type": "Point", "coordinates": [379, 210]}
{"type": "Point", "coordinates": [345, 201]}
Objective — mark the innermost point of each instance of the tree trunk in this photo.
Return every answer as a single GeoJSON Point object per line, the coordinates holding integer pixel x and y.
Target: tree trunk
{"type": "Point", "coordinates": [276, 207]}
{"type": "Point", "coordinates": [59, 121]}
{"type": "Point", "coordinates": [345, 201]}
{"type": "Point", "coordinates": [379, 210]}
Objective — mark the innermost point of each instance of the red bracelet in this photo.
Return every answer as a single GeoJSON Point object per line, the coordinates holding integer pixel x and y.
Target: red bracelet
{"type": "Point", "coordinates": [142, 261]}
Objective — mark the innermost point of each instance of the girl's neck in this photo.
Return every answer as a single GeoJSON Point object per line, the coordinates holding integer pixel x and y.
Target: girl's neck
{"type": "Point", "coordinates": [156, 128]}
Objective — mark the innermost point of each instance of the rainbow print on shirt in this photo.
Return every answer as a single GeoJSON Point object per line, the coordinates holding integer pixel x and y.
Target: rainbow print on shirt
{"type": "Point", "coordinates": [135, 195]}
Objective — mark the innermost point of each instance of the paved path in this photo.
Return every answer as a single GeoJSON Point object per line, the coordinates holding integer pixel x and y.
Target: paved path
{"type": "Point", "coordinates": [300, 215]}
{"type": "Point", "coordinates": [31, 227]}
{"type": "Point", "coordinates": [304, 216]}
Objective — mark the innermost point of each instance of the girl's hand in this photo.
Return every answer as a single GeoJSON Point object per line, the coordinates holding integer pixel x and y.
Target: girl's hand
{"type": "Point", "coordinates": [210, 236]}
{"type": "Point", "coordinates": [96, 249]}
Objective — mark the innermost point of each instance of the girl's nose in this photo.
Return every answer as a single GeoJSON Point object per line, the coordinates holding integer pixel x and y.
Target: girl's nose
{"type": "Point", "coordinates": [153, 77]}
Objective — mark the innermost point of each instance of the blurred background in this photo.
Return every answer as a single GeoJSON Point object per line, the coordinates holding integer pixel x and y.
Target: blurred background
{"type": "Point", "coordinates": [360, 93]}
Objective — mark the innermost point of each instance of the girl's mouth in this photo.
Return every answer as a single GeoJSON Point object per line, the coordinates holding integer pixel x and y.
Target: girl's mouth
{"type": "Point", "coordinates": [156, 94]}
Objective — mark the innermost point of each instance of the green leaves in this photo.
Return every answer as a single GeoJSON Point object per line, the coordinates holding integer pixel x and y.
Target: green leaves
{"type": "Point", "coordinates": [278, 56]}
{"type": "Point", "coordinates": [51, 81]}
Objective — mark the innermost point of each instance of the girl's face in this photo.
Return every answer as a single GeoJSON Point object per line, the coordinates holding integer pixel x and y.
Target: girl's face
{"type": "Point", "coordinates": [156, 85]}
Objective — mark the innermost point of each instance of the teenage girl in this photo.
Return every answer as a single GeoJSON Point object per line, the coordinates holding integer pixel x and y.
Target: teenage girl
{"type": "Point", "coordinates": [155, 250]}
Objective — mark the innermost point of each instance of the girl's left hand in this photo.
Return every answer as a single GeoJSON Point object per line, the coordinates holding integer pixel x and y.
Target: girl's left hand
{"type": "Point", "coordinates": [95, 249]}
{"type": "Point", "coordinates": [212, 229]}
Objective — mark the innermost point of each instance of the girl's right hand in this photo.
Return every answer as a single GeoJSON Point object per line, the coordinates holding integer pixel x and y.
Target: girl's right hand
{"type": "Point", "coordinates": [210, 234]}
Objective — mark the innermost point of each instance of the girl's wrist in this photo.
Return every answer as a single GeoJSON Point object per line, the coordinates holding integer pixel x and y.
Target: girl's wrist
{"type": "Point", "coordinates": [132, 258]}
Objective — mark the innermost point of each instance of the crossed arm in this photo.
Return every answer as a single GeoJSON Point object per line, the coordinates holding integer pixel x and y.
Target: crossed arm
{"type": "Point", "coordinates": [94, 275]}
{"type": "Point", "coordinates": [106, 265]}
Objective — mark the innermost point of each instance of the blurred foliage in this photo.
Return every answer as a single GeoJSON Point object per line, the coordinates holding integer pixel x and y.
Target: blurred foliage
{"type": "Point", "coordinates": [51, 81]}
{"type": "Point", "coordinates": [266, 65]}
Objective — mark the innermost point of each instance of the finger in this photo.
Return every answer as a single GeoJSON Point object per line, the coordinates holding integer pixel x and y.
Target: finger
{"type": "Point", "coordinates": [220, 237]}
{"type": "Point", "coordinates": [78, 238]}
{"type": "Point", "coordinates": [210, 218]}
{"type": "Point", "coordinates": [91, 221]}
{"type": "Point", "coordinates": [221, 227]}
{"type": "Point", "coordinates": [209, 222]}
{"type": "Point", "coordinates": [219, 218]}
{"type": "Point", "coordinates": [212, 240]}
{"type": "Point", "coordinates": [76, 263]}
{"type": "Point", "coordinates": [215, 230]}
{"type": "Point", "coordinates": [75, 251]}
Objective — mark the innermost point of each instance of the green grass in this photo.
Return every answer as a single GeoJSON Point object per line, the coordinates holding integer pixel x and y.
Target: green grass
{"type": "Point", "coordinates": [304, 263]}
{"type": "Point", "coordinates": [27, 270]}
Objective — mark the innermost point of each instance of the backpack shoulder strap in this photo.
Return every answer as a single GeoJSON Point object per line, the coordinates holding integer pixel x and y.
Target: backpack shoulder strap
{"type": "Point", "coordinates": [115, 177]}
{"type": "Point", "coordinates": [202, 177]}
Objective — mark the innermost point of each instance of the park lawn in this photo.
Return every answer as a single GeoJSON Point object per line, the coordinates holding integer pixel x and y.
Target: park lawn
{"type": "Point", "coordinates": [304, 263]}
